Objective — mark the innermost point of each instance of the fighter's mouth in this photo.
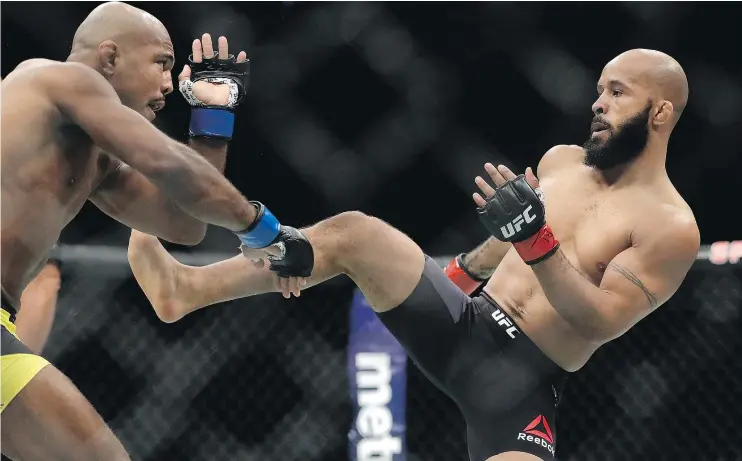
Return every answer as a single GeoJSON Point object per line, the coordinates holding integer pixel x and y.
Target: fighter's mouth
{"type": "Point", "coordinates": [598, 127]}
{"type": "Point", "coordinates": [156, 105]}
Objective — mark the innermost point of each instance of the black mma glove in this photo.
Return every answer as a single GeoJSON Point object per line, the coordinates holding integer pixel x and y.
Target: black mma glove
{"type": "Point", "coordinates": [297, 254]}
{"type": "Point", "coordinates": [516, 214]}
{"type": "Point", "coordinates": [216, 121]}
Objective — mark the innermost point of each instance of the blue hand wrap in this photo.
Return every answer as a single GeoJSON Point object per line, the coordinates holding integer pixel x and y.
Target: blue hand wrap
{"type": "Point", "coordinates": [262, 233]}
{"type": "Point", "coordinates": [215, 123]}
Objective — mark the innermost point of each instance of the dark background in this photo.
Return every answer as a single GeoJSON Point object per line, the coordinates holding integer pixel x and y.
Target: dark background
{"type": "Point", "coordinates": [392, 109]}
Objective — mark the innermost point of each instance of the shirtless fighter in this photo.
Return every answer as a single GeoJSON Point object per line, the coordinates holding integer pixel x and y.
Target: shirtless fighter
{"type": "Point", "coordinates": [80, 130]}
{"type": "Point", "coordinates": [612, 241]}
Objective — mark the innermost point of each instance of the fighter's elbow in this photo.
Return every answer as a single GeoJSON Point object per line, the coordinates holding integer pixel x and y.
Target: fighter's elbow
{"type": "Point", "coordinates": [601, 330]}
{"type": "Point", "coordinates": [188, 236]}
{"type": "Point", "coordinates": [594, 326]}
{"type": "Point", "coordinates": [596, 334]}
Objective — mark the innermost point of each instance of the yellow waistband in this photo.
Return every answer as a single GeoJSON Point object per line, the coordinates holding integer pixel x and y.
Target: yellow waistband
{"type": "Point", "coordinates": [5, 320]}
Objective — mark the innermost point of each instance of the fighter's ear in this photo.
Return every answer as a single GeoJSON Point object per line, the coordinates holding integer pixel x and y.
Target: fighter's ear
{"type": "Point", "coordinates": [107, 56]}
{"type": "Point", "coordinates": [663, 113]}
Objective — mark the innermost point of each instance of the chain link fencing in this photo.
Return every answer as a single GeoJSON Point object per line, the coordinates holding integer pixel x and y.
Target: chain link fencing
{"type": "Point", "coordinates": [363, 105]}
{"type": "Point", "coordinates": [266, 378]}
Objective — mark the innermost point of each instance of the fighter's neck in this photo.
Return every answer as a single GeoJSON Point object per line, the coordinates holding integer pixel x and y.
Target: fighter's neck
{"type": "Point", "coordinates": [83, 58]}
{"type": "Point", "coordinates": [647, 168]}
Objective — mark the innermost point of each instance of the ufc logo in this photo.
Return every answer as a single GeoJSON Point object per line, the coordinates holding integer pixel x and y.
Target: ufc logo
{"type": "Point", "coordinates": [504, 322]}
{"type": "Point", "coordinates": [514, 226]}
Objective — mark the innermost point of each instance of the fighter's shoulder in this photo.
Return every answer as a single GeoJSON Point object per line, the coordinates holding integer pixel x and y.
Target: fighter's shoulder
{"type": "Point", "coordinates": [558, 157]}
{"type": "Point", "coordinates": [64, 79]}
{"type": "Point", "coordinates": [671, 223]}
{"type": "Point", "coordinates": [43, 69]}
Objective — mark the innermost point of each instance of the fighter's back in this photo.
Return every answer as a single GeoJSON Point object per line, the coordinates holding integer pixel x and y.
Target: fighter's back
{"type": "Point", "coordinates": [595, 222]}
{"type": "Point", "coordinates": [49, 167]}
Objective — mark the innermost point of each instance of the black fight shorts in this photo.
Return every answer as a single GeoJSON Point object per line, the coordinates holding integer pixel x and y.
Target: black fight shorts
{"type": "Point", "coordinates": [505, 387]}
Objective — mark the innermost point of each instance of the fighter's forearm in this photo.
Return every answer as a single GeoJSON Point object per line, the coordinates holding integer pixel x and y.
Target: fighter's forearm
{"type": "Point", "coordinates": [212, 149]}
{"type": "Point", "coordinates": [201, 190]}
{"type": "Point", "coordinates": [172, 217]}
{"type": "Point", "coordinates": [484, 259]}
{"type": "Point", "coordinates": [575, 298]}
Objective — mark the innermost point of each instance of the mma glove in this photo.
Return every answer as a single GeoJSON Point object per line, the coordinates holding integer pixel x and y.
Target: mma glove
{"type": "Point", "coordinates": [460, 275]}
{"type": "Point", "coordinates": [214, 121]}
{"type": "Point", "coordinates": [297, 255]}
{"type": "Point", "coordinates": [516, 214]}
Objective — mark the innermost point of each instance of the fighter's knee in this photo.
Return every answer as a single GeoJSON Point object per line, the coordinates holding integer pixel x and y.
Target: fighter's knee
{"type": "Point", "coordinates": [350, 220]}
{"type": "Point", "coordinates": [354, 228]}
{"type": "Point", "coordinates": [338, 238]}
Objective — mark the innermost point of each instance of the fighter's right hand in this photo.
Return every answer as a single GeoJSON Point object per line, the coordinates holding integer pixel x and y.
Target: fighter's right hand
{"type": "Point", "coordinates": [291, 254]}
{"type": "Point", "coordinates": [514, 212]}
{"type": "Point", "coordinates": [287, 250]}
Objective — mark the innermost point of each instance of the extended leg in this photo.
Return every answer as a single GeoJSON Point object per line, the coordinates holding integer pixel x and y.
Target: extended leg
{"type": "Point", "coordinates": [384, 263]}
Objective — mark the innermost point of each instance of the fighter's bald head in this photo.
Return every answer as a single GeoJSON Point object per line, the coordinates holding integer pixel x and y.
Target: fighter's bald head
{"type": "Point", "coordinates": [660, 73]}
{"type": "Point", "coordinates": [120, 23]}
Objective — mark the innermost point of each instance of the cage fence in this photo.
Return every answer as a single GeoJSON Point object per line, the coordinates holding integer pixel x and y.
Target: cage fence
{"type": "Point", "coordinates": [269, 378]}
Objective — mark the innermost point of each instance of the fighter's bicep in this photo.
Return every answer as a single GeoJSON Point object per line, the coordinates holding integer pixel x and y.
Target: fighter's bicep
{"type": "Point", "coordinates": [129, 197]}
{"type": "Point", "coordinates": [630, 278]}
{"type": "Point", "coordinates": [645, 276]}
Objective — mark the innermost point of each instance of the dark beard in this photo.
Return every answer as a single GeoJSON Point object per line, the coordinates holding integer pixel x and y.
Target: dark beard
{"type": "Point", "coordinates": [623, 144]}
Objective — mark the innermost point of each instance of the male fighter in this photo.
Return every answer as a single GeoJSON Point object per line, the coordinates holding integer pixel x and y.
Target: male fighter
{"type": "Point", "coordinates": [612, 242]}
{"type": "Point", "coordinates": [80, 130]}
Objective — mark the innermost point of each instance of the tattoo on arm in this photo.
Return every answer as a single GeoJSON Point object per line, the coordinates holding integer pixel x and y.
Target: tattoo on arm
{"type": "Point", "coordinates": [635, 280]}
{"type": "Point", "coordinates": [477, 262]}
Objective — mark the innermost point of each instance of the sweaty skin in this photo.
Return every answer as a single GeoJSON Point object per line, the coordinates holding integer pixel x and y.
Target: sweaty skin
{"type": "Point", "coordinates": [595, 223]}
{"type": "Point", "coordinates": [79, 130]}
{"type": "Point", "coordinates": [627, 237]}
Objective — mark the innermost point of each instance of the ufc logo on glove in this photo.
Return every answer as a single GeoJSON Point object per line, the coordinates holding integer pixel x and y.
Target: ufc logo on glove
{"type": "Point", "coordinates": [516, 214]}
{"type": "Point", "coordinates": [514, 225]}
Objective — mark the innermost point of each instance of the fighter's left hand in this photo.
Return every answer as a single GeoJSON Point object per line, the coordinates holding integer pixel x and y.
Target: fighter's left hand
{"type": "Point", "coordinates": [210, 93]}
{"type": "Point", "coordinates": [287, 286]}
{"type": "Point", "coordinates": [499, 176]}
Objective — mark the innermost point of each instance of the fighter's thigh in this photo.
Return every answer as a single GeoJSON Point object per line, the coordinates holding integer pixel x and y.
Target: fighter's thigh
{"type": "Point", "coordinates": [515, 456]}
{"type": "Point", "coordinates": [384, 263]}
{"type": "Point", "coordinates": [51, 420]}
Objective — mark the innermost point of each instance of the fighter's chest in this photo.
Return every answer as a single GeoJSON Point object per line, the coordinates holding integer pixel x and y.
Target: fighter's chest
{"type": "Point", "coordinates": [78, 165]}
{"type": "Point", "coordinates": [592, 225]}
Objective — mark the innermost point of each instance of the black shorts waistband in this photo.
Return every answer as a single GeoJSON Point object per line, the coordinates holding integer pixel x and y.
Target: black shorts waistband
{"type": "Point", "coordinates": [505, 324]}
{"type": "Point", "coordinates": [503, 312]}
{"type": "Point", "coordinates": [8, 306]}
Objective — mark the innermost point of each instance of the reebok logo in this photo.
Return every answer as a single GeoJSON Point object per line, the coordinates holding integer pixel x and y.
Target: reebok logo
{"type": "Point", "coordinates": [504, 322]}
{"type": "Point", "coordinates": [374, 421]}
{"type": "Point", "coordinates": [539, 432]}
{"type": "Point", "coordinates": [514, 226]}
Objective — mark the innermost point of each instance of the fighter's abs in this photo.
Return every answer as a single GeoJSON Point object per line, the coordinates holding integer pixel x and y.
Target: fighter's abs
{"type": "Point", "coordinates": [593, 227]}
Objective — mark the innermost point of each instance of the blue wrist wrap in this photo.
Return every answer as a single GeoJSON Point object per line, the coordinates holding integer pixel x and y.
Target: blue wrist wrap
{"type": "Point", "coordinates": [215, 123]}
{"type": "Point", "coordinates": [262, 233]}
